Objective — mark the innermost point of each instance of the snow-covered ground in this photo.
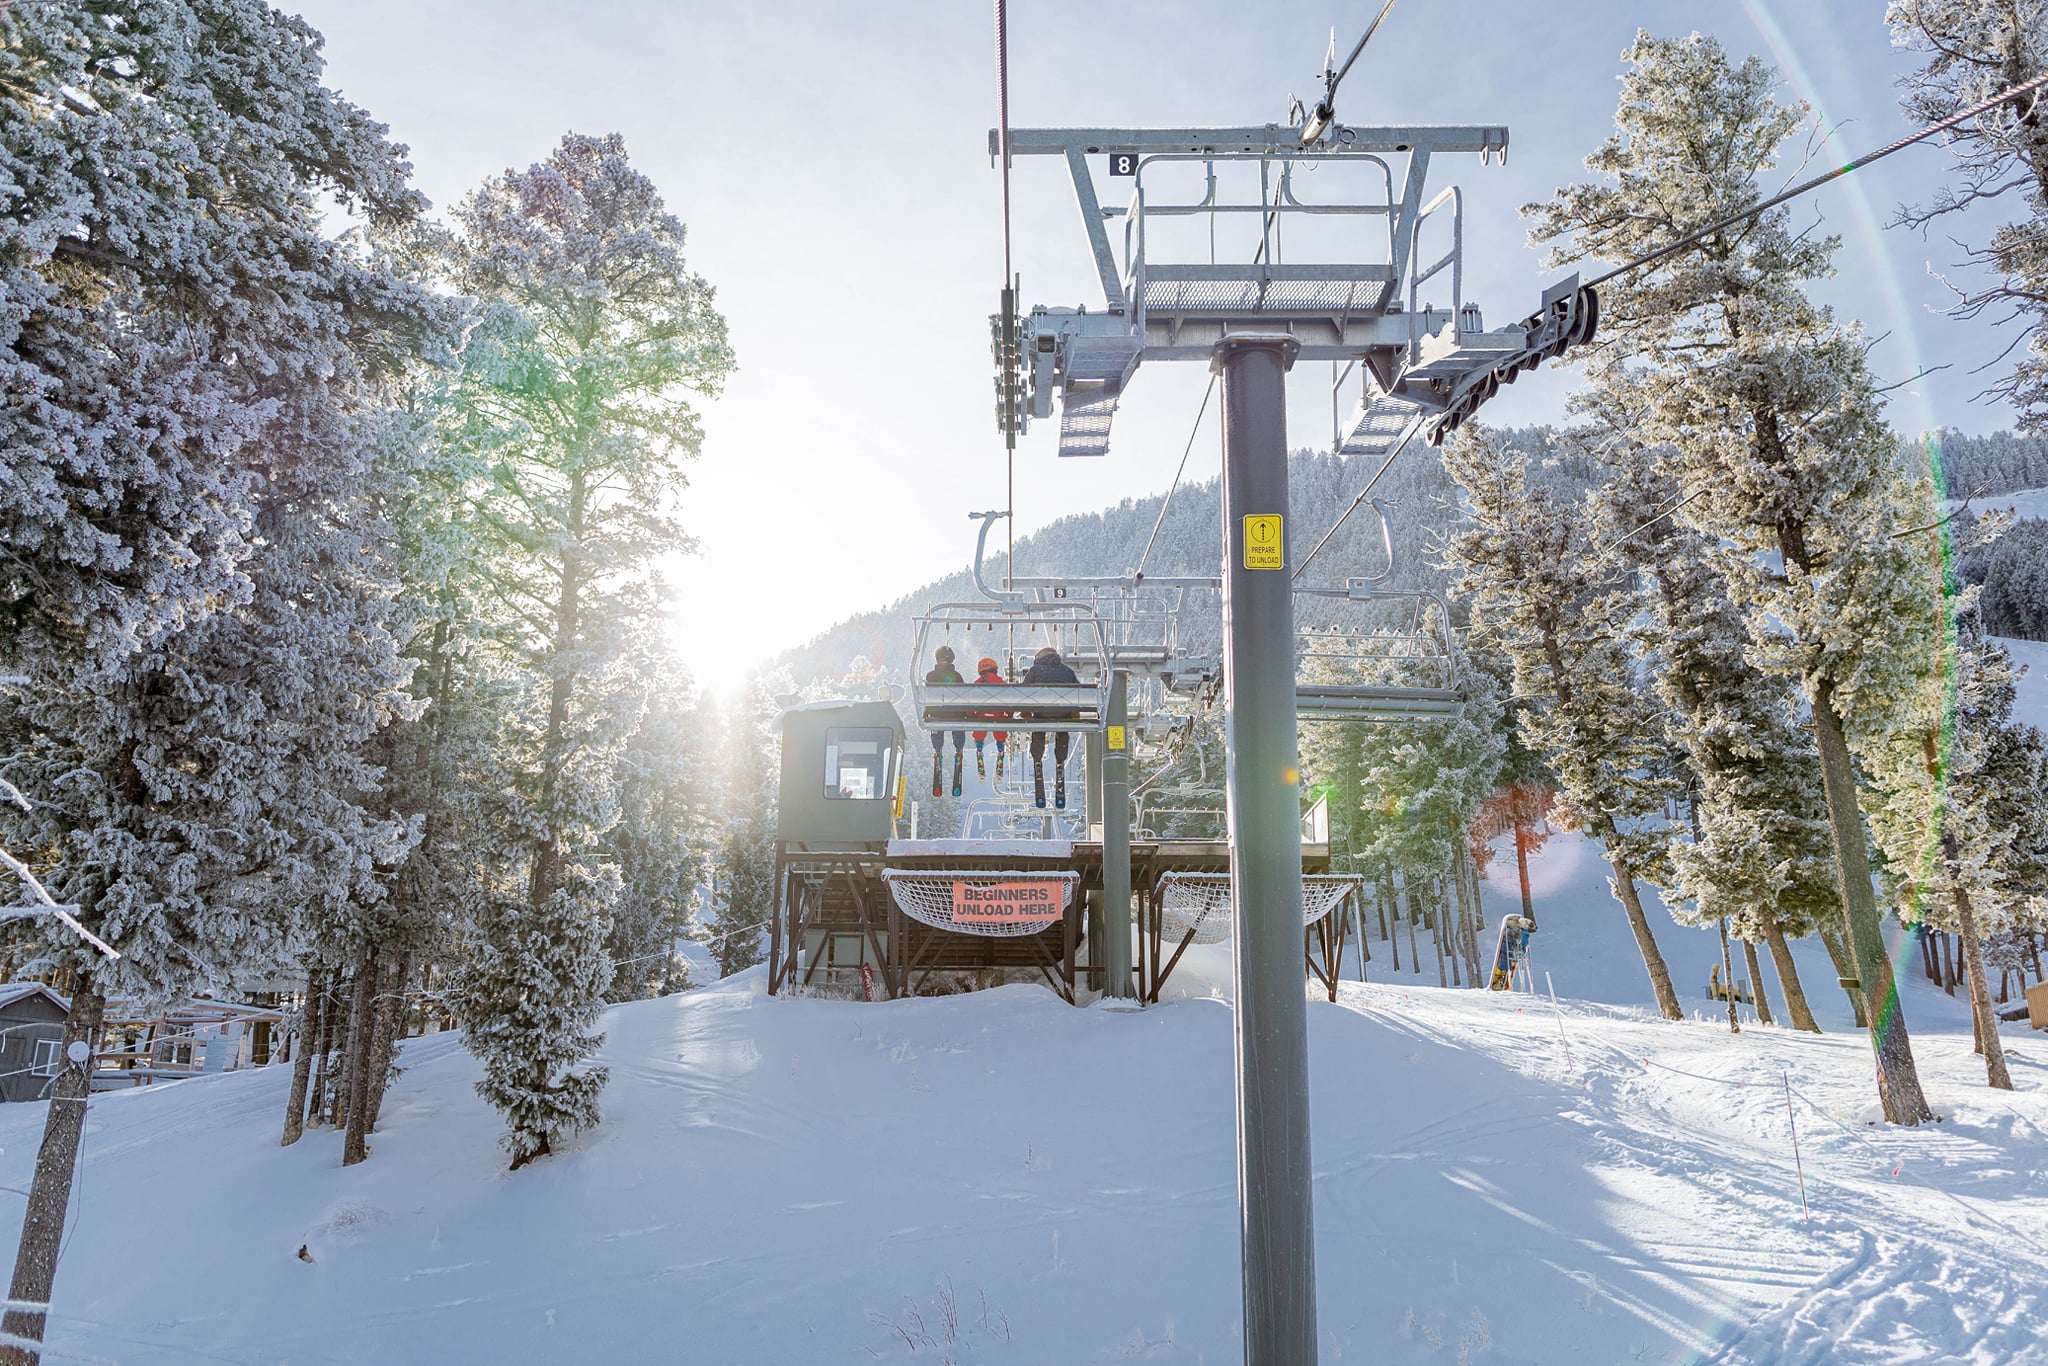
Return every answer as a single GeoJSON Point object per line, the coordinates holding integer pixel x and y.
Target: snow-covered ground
{"type": "Point", "coordinates": [1002, 1177]}
{"type": "Point", "coordinates": [2032, 704]}
{"type": "Point", "coordinates": [2031, 503]}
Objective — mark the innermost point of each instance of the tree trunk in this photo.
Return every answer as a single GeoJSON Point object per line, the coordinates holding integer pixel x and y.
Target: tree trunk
{"type": "Point", "coordinates": [42, 1228]}
{"type": "Point", "coordinates": [1756, 983]}
{"type": "Point", "coordinates": [1394, 937]}
{"type": "Point", "coordinates": [1831, 940]}
{"type": "Point", "coordinates": [1788, 976]}
{"type": "Point", "coordinates": [317, 1045]}
{"type": "Point", "coordinates": [1440, 931]}
{"type": "Point", "coordinates": [1639, 925]}
{"type": "Point", "coordinates": [302, 1064]}
{"type": "Point", "coordinates": [1898, 1079]}
{"type": "Point", "coordinates": [1522, 869]}
{"type": "Point", "coordinates": [1728, 975]}
{"type": "Point", "coordinates": [1414, 914]}
{"type": "Point", "coordinates": [354, 1146]}
{"type": "Point", "coordinates": [384, 1039]}
{"type": "Point", "coordinates": [1464, 901]}
{"type": "Point", "coordinates": [1980, 991]}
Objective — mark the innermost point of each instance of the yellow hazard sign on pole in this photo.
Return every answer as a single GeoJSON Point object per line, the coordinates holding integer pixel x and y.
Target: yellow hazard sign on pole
{"type": "Point", "coordinates": [1116, 737]}
{"type": "Point", "coordinates": [1265, 542]}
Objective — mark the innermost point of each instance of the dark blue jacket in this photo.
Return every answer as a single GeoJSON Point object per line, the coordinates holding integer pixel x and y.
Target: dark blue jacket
{"type": "Point", "coordinates": [1050, 669]}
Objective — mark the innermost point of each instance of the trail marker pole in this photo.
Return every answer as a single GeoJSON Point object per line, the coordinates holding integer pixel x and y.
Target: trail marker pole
{"type": "Point", "coordinates": [1799, 1164]}
{"type": "Point", "coordinates": [1274, 1176]}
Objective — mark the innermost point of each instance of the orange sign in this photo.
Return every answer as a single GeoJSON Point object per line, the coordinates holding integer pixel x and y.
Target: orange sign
{"type": "Point", "coordinates": [1007, 903]}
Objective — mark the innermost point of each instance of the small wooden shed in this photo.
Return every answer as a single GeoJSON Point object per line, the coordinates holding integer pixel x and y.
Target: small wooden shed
{"type": "Point", "coordinates": [31, 1039]}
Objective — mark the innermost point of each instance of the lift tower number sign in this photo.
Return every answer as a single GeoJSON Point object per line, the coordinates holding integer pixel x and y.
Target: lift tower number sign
{"type": "Point", "coordinates": [1265, 542]}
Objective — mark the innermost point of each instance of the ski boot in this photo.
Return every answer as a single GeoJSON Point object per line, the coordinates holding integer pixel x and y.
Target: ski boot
{"type": "Point", "coordinates": [999, 761]}
{"type": "Point", "coordinates": [959, 763]}
{"type": "Point", "coordinates": [938, 773]}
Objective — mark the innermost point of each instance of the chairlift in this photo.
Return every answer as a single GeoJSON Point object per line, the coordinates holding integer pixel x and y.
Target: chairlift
{"type": "Point", "coordinates": [1422, 649]}
{"type": "Point", "coordinates": [1014, 706]}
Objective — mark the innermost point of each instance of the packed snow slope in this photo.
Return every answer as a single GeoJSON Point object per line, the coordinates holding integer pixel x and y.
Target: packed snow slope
{"type": "Point", "coordinates": [1001, 1177]}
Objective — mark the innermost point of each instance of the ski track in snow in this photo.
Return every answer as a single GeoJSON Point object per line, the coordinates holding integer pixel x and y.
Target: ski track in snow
{"type": "Point", "coordinates": [798, 1181]}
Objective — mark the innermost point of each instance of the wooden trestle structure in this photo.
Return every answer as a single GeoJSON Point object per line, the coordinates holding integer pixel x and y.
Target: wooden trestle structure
{"type": "Point", "coordinates": [834, 910]}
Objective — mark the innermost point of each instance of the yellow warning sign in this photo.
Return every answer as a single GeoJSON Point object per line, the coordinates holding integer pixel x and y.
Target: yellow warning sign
{"type": "Point", "coordinates": [1265, 542]}
{"type": "Point", "coordinates": [1116, 737]}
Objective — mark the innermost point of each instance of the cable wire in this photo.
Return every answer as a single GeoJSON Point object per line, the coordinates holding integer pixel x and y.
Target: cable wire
{"type": "Point", "coordinates": [1009, 277]}
{"type": "Point", "coordinates": [1414, 426]}
{"type": "Point", "coordinates": [1168, 501]}
{"type": "Point", "coordinates": [1797, 190]}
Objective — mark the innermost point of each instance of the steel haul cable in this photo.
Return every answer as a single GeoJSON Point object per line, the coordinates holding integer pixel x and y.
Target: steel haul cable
{"type": "Point", "coordinates": [1983, 106]}
{"type": "Point", "coordinates": [1009, 313]}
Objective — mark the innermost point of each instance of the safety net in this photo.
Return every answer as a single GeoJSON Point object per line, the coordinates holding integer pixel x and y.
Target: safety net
{"type": "Point", "coordinates": [996, 904]}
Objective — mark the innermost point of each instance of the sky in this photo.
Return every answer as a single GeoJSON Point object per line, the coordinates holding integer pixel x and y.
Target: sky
{"type": "Point", "coordinates": [830, 161]}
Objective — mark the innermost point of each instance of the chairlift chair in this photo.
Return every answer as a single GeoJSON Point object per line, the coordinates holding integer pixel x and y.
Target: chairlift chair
{"type": "Point", "coordinates": [1422, 649]}
{"type": "Point", "coordinates": [1071, 628]}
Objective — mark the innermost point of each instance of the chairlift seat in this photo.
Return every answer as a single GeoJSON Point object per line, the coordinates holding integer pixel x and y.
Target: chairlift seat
{"type": "Point", "coordinates": [1357, 702]}
{"type": "Point", "coordinates": [1024, 706]}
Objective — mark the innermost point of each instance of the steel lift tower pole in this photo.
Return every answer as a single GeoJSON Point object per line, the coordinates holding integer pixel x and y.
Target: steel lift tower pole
{"type": "Point", "coordinates": [1116, 841]}
{"type": "Point", "coordinates": [1274, 1176]}
{"type": "Point", "coordinates": [1424, 368]}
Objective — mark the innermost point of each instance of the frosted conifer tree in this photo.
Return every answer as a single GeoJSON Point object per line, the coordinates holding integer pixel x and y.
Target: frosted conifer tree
{"type": "Point", "coordinates": [189, 356]}
{"type": "Point", "coordinates": [745, 850]}
{"type": "Point", "coordinates": [573, 403]}
{"type": "Point", "coordinates": [1541, 597]}
{"type": "Point", "coordinates": [1974, 49]}
{"type": "Point", "coordinates": [1761, 858]}
{"type": "Point", "coordinates": [1961, 824]}
{"type": "Point", "coordinates": [666, 784]}
{"type": "Point", "coordinates": [1774, 428]}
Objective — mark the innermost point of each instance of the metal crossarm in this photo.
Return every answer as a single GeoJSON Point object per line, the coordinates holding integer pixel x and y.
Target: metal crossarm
{"type": "Point", "coordinates": [1431, 364]}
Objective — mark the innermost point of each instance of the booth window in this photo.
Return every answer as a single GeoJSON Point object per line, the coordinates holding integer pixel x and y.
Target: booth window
{"type": "Point", "coordinates": [860, 762]}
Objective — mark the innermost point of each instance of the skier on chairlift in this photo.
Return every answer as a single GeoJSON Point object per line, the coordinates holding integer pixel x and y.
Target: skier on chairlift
{"type": "Point", "coordinates": [987, 671]}
{"type": "Point", "coordinates": [944, 672]}
{"type": "Point", "coordinates": [1048, 667]}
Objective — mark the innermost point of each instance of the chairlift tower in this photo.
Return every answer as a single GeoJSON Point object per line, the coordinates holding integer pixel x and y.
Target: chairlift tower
{"type": "Point", "coordinates": [1424, 371]}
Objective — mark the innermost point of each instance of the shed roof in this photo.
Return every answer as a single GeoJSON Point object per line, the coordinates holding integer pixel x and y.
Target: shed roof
{"type": "Point", "coordinates": [10, 992]}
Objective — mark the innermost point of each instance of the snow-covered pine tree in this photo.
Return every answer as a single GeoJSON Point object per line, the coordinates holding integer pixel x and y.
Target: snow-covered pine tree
{"type": "Point", "coordinates": [745, 822]}
{"type": "Point", "coordinates": [1774, 426]}
{"type": "Point", "coordinates": [2015, 596]}
{"type": "Point", "coordinates": [1974, 50]}
{"type": "Point", "coordinates": [1541, 596]}
{"type": "Point", "coordinates": [574, 400]}
{"type": "Point", "coordinates": [191, 357]}
{"type": "Point", "coordinates": [1961, 825]}
{"type": "Point", "coordinates": [1761, 858]}
{"type": "Point", "coordinates": [666, 785]}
